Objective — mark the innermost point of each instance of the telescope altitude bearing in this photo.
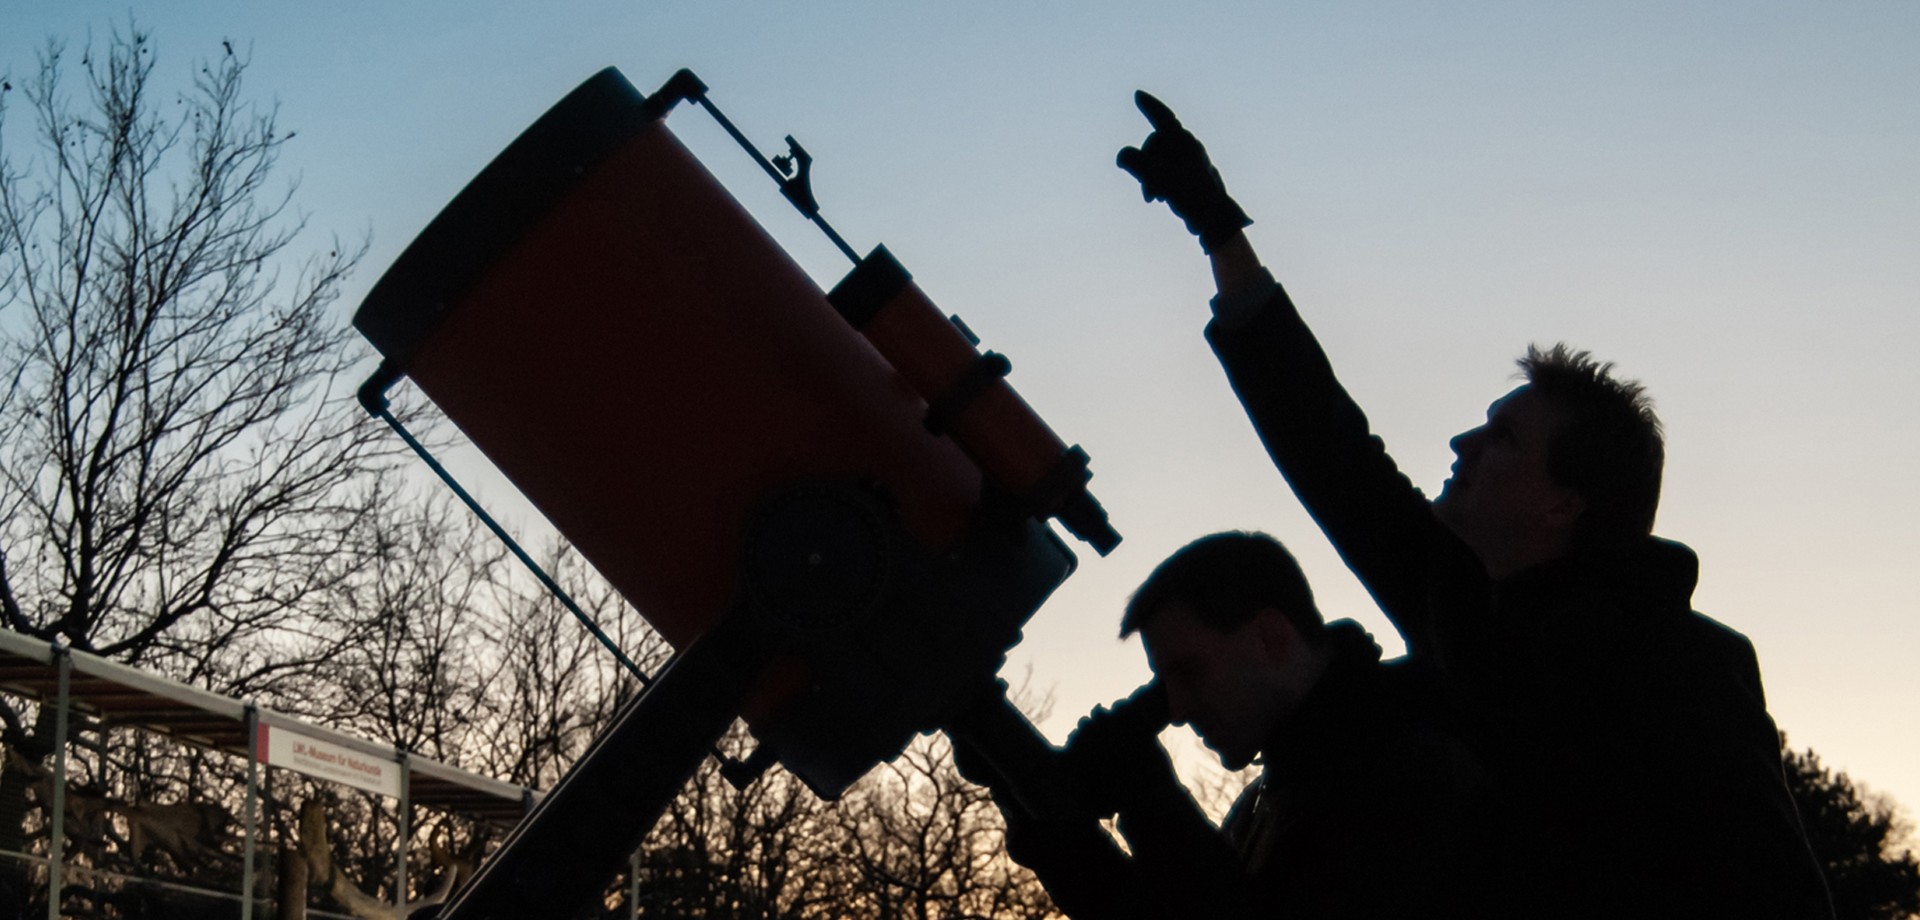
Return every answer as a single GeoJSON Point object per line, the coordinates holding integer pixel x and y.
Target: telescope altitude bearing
{"type": "Point", "coordinates": [818, 556]}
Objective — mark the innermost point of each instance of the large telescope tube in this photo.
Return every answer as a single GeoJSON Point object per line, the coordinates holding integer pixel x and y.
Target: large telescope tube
{"type": "Point", "coordinates": [841, 532]}
{"type": "Point", "coordinates": [644, 362]}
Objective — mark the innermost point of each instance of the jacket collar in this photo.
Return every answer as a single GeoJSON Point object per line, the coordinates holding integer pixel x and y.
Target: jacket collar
{"type": "Point", "coordinates": [1346, 683]}
{"type": "Point", "coordinates": [1647, 572]}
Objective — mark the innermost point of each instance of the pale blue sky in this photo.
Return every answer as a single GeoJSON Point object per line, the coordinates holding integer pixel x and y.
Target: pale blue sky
{"type": "Point", "coordinates": [1723, 197]}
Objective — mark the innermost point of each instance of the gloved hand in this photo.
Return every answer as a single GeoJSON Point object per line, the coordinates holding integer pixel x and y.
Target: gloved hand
{"type": "Point", "coordinates": [1116, 752]}
{"type": "Point", "coordinates": [1074, 858]}
{"type": "Point", "coordinates": [1173, 167]}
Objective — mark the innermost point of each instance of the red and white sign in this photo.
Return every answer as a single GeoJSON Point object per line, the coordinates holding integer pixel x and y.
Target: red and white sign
{"type": "Point", "coordinates": [281, 747]}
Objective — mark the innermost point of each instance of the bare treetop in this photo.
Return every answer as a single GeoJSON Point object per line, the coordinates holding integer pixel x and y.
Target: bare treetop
{"type": "Point", "coordinates": [179, 455]}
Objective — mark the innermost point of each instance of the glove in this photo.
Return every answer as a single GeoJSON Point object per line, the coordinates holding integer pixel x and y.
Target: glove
{"type": "Point", "coordinates": [1117, 754]}
{"type": "Point", "coordinates": [1173, 167]}
{"type": "Point", "coordinates": [1074, 859]}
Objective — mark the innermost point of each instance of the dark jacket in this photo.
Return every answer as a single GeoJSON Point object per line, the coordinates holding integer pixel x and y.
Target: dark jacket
{"type": "Point", "coordinates": [1368, 806]}
{"type": "Point", "coordinates": [1627, 735]}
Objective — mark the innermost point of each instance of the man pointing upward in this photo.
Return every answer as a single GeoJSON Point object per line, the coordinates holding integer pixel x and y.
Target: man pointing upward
{"type": "Point", "coordinates": [1627, 734]}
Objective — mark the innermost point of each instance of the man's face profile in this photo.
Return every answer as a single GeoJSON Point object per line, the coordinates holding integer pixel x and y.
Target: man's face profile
{"type": "Point", "coordinates": [1501, 489]}
{"type": "Point", "coordinates": [1227, 685]}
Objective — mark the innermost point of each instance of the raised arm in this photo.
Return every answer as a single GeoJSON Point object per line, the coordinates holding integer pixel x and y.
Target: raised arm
{"type": "Point", "coordinates": [1315, 433]}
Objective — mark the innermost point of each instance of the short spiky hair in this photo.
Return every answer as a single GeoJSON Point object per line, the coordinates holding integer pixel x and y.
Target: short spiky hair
{"type": "Point", "coordinates": [1608, 447]}
{"type": "Point", "coordinates": [1226, 578]}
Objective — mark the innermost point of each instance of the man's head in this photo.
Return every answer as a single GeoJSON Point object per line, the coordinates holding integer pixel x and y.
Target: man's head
{"type": "Point", "coordinates": [1569, 461]}
{"type": "Point", "coordinates": [1231, 630]}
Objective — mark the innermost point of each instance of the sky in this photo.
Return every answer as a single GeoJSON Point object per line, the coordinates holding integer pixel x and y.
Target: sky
{"type": "Point", "coordinates": [1722, 197]}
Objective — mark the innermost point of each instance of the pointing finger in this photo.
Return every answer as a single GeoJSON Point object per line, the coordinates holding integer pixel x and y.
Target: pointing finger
{"type": "Point", "coordinates": [1158, 115]}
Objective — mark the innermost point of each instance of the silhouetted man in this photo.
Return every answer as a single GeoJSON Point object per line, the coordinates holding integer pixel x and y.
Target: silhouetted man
{"type": "Point", "coordinates": [1367, 806]}
{"type": "Point", "coordinates": [1628, 735]}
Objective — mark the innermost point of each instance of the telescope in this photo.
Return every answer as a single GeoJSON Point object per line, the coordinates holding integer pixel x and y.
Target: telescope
{"type": "Point", "coordinates": [831, 504]}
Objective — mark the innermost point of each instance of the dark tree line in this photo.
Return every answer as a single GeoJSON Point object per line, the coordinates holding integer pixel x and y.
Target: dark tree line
{"type": "Point", "coordinates": [1860, 839]}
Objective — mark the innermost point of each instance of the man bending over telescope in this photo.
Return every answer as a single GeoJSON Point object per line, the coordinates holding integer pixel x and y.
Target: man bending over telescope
{"type": "Point", "coordinates": [1627, 735]}
{"type": "Point", "coordinates": [1368, 807]}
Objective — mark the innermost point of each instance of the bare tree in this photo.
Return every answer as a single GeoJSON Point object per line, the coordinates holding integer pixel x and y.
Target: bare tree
{"type": "Point", "coordinates": [177, 447]}
{"type": "Point", "coordinates": [548, 685]}
{"type": "Point", "coordinates": [179, 455]}
{"type": "Point", "coordinates": [910, 841]}
{"type": "Point", "coordinates": [760, 852]}
{"type": "Point", "coordinates": [410, 629]}
{"type": "Point", "coordinates": [924, 844]}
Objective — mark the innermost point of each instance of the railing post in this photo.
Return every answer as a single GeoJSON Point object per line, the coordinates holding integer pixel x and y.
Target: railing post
{"type": "Point", "coordinates": [57, 843]}
{"type": "Point", "coordinates": [633, 887]}
{"type": "Point", "coordinates": [249, 846]}
{"type": "Point", "coordinates": [406, 830]}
